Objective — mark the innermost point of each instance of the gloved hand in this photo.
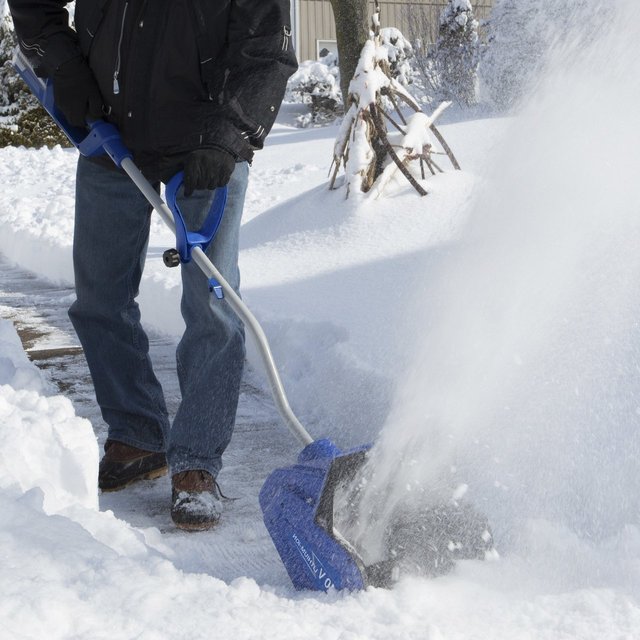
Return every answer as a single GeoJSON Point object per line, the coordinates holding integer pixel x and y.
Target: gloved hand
{"type": "Point", "coordinates": [207, 169]}
{"type": "Point", "coordinates": [76, 93]}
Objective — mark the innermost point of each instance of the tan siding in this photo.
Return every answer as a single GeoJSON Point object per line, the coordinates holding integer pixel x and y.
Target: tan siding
{"type": "Point", "coordinates": [316, 19]}
{"type": "Point", "coordinates": [316, 23]}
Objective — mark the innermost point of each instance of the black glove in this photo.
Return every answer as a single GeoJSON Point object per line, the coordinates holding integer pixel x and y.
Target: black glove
{"type": "Point", "coordinates": [207, 169]}
{"type": "Point", "coordinates": [76, 93]}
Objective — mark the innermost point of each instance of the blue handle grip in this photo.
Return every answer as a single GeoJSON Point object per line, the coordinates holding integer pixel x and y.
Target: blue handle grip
{"type": "Point", "coordinates": [186, 240]}
{"type": "Point", "coordinates": [102, 137]}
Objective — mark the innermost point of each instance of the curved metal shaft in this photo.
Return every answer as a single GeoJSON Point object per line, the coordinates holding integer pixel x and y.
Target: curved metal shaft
{"type": "Point", "coordinates": [240, 308]}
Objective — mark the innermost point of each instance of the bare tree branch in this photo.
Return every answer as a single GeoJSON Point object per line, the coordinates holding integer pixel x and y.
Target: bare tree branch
{"type": "Point", "coordinates": [379, 125]}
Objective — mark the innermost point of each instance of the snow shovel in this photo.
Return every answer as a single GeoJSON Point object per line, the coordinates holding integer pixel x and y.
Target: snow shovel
{"type": "Point", "coordinates": [297, 501]}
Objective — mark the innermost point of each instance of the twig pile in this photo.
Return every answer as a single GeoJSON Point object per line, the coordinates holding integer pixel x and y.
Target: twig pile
{"type": "Point", "coordinates": [363, 143]}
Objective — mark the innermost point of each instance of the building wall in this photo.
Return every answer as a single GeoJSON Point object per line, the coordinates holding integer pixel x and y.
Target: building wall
{"type": "Point", "coordinates": [314, 23]}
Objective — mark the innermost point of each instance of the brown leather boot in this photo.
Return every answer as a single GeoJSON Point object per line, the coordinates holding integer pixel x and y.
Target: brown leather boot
{"type": "Point", "coordinates": [122, 464]}
{"type": "Point", "coordinates": [197, 504]}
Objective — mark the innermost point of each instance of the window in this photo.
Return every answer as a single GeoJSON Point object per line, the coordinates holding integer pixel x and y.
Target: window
{"type": "Point", "coordinates": [326, 46]}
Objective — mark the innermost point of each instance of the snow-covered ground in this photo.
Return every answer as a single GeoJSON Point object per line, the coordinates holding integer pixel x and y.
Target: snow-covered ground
{"type": "Point", "coordinates": [486, 336]}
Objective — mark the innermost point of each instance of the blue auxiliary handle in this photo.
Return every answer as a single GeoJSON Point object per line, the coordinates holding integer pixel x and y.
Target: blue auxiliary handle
{"type": "Point", "coordinates": [187, 240]}
{"type": "Point", "coordinates": [103, 137]}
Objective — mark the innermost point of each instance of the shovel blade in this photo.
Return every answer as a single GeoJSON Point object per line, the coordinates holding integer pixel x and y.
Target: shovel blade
{"type": "Point", "coordinates": [297, 506]}
{"type": "Point", "coordinates": [424, 540]}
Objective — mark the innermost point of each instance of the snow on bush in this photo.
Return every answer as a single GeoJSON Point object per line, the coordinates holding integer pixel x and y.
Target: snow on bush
{"type": "Point", "coordinates": [316, 84]}
{"type": "Point", "coordinates": [456, 56]}
{"type": "Point", "coordinates": [8, 94]}
{"type": "Point", "coordinates": [22, 120]}
{"type": "Point", "coordinates": [399, 53]}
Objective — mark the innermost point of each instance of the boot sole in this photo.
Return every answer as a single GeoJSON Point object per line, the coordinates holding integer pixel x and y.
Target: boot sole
{"type": "Point", "coordinates": [150, 475]}
{"type": "Point", "coordinates": [205, 526]}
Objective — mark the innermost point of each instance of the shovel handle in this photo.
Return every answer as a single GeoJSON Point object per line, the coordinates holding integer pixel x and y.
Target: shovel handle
{"type": "Point", "coordinates": [251, 324]}
{"type": "Point", "coordinates": [104, 137]}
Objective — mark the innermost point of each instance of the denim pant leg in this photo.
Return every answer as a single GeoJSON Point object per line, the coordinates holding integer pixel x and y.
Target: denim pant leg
{"type": "Point", "coordinates": [110, 240]}
{"type": "Point", "coordinates": [210, 356]}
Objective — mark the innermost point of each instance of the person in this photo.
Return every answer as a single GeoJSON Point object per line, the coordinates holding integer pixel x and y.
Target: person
{"type": "Point", "coordinates": [192, 85]}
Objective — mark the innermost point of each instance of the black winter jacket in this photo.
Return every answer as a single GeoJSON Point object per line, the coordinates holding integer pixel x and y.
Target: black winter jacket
{"type": "Point", "coordinates": [175, 75]}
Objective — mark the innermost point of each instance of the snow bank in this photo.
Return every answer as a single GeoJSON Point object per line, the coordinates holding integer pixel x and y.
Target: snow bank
{"type": "Point", "coordinates": [41, 183]}
{"type": "Point", "coordinates": [44, 444]}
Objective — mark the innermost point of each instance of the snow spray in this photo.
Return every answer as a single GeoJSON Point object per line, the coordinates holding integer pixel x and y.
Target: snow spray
{"type": "Point", "coordinates": [524, 398]}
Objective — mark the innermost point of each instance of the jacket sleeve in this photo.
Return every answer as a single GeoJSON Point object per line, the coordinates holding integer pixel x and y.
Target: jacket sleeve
{"type": "Point", "coordinates": [257, 63]}
{"type": "Point", "coordinates": [44, 34]}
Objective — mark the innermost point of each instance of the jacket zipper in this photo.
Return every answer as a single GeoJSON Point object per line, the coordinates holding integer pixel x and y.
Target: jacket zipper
{"type": "Point", "coordinates": [287, 35]}
{"type": "Point", "coordinates": [116, 73]}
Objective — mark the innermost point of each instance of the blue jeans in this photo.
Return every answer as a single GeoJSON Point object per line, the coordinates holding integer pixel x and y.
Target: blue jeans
{"type": "Point", "coordinates": [109, 248]}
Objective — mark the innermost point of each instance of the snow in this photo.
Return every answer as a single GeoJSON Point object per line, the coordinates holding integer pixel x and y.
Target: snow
{"type": "Point", "coordinates": [458, 11]}
{"type": "Point", "coordinates": [487, 332]}
{"type": "Point", "coordinates": [320, 72]}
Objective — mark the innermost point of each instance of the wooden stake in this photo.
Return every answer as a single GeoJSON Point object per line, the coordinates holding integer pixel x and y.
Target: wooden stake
{"type": "Point", "coordinates": [379, 125]}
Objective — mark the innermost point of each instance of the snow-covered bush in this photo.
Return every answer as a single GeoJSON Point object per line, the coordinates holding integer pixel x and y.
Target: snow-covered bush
{"type": "Point", "coordinates": [8, 80]}
{"type": "Point", "coordinates": [317, 84]}
{"type": "Point", "coordinates": [456, 56]}
{"type": "Point", "coordinates": [399, 54]}
{"type": "Point", "coordinates": [23, 122]}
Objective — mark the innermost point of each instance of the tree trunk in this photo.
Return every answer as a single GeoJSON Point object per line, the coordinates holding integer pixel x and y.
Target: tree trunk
{"type": "Point", "coordinates": [352, 31]}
